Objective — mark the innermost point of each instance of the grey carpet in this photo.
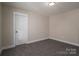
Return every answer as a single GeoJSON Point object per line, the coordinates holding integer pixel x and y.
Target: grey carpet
{"type": "Point", "coordinates": [43, 48]}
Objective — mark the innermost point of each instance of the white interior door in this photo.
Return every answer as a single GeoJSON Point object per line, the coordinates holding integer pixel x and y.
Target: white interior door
{"type": "Point", "coordinates": [21, 28]}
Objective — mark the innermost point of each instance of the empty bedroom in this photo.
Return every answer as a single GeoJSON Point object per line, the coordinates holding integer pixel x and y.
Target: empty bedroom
{"type": "Point", "coordinates": [39, 28]}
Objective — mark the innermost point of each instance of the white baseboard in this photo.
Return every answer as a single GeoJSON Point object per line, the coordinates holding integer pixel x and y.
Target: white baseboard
{"type": "Point", "coordinates": [7, 47]}
{"type": "Point", "coordinates": [75, 44]}
{"type": "Point", "coordinates": [0, 51]}
{"type": "Point", "coordinates": [37, 40]}
{"type": "Point", "coordinates": [11, 46]}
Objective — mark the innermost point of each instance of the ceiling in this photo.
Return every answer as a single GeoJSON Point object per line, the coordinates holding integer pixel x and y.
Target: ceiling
{"type": "Point", "coordinates": [43, 8]}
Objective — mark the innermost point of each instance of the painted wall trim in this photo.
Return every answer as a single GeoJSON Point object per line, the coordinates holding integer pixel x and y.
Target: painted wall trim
{"type": "Point", "coordinates": [7, 47]}
{"type": "Point", "coordinates": [0, 51]}
{"type": "Point", "coordinates": [11, 46]}
{"type": "Point", "coordinates": [53, 38]}
{"type": "Point", "coordinates": [37, 40]}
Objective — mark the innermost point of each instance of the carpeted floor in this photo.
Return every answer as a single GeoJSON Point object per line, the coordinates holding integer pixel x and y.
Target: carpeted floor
{"type": "Point", "coordinates": [43, 48]}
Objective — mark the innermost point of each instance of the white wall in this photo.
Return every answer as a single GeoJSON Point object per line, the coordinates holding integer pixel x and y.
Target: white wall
{"type": "Point", "coordinates": [65, 26]}
{"type": "Point", "coordinates": [0, 28]}
{"type": "Point", "coordinates": [38, 25]}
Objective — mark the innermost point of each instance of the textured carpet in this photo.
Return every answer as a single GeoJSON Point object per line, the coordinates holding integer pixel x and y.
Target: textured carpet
{"type": "Point", "coordinates": [43, 48]}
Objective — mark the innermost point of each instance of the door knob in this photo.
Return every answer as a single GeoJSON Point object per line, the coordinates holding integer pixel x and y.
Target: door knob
{"type": "Point", "coordinates": [16, 31]}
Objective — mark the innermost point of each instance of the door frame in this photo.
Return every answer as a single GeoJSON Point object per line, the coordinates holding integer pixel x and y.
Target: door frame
{"type": "Point", "coordinates": [14, 26]}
